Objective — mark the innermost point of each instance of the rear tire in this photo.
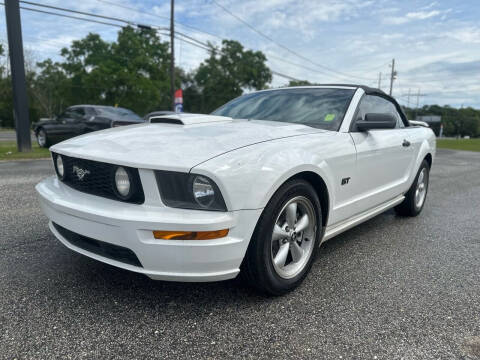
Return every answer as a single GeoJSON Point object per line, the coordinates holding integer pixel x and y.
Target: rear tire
{"type": "Point", "coordinates": [417, 194]}
{"type": "Point", "coordinates": [42, 138]}
{"type": "Point", "coordinates": [285, 241]}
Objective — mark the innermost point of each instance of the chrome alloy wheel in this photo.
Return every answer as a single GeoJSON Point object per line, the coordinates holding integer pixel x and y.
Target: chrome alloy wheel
{"type": "Point", "coordinates": [421, 190]}
{"type": "Point", "coordinates": [293, 237]}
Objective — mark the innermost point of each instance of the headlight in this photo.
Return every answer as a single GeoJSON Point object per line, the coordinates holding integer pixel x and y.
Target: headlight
{"type": "Point", "coordinates": [203, 191]}
{"type": "Point", "coordinates": [189, 191]}
{"type": "Point", "coordinates": [122, 182]}
{"type": "Point", "coordinates": [59, 167]}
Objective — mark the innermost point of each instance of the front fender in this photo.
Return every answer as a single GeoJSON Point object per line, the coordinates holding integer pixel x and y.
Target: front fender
{"type": "Point", "coordinates": [248, 177]}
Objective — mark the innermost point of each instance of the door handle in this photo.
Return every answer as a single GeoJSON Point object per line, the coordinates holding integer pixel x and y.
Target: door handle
{"type": "Point", "coordinates": [406, 143]}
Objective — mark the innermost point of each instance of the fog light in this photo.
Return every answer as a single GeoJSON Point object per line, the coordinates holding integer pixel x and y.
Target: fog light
{"type": "Point", "coordinates": [189, 235]}
{"type": "Point", "coordinates": [122, 181]}
{"type": "Point", "coordinates": [60, 167]}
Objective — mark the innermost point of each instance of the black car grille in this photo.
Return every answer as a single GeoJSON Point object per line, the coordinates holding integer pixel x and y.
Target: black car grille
{"type": "Point", "coordinates": [110, 251]}
{"type": "Point", "coordinates": [98, 178]}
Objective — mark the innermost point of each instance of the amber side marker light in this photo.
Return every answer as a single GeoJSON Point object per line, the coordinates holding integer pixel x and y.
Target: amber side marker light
{"type": "Point", "coordinates": [189, 235]}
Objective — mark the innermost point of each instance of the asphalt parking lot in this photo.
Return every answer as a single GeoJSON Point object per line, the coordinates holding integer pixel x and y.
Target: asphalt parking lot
{"type": "Point", "coordinates": [392, 288]}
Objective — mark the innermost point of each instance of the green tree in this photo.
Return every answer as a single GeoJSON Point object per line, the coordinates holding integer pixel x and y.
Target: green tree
{"type": "Point", "coordinates": [299, 83]}
{"type": "Point", "coordinates": [51, 88]}
{"type": "Point", "coordinates": [456, 122]}
{"type": "Point", "coordinates": [226, 74]}
{"type": "Point", "coordinates": [131, 72]}
{"type": "Point", "coordinates": [84, 64]}
{"type": "Point", "coordinates": [6, 91]}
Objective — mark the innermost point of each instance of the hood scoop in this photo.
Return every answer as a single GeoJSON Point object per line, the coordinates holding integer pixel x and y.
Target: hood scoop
{"type": "Point", "coordinates": [165, 120]}
{"type": "Point", "coordinates": [187, 119]}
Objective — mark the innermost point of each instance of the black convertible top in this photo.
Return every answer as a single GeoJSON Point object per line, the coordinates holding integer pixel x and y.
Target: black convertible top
{"type": "Point", "coordinates": [368, 90]}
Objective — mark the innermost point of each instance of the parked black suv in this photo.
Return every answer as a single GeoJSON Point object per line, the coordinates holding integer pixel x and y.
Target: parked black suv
{"type": "Point", "coordinates": [82, 119]}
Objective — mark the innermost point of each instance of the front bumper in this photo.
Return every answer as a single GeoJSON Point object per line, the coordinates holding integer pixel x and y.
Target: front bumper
{"type": "Point", "coordinates": [130, 226]}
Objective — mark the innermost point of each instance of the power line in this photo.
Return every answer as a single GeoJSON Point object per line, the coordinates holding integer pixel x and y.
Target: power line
{"type": "Point", "coordinates": [220, 38]}
{"type": "Point", "coordinates": [372, 69]}
{"type": "Point", "coordinates": [269, 55]}
{"type": "Point", "coordinates": [196, 29]}
{"type": "Point", "coordinates": [160, 17]}
{"type": "Point", "coordinates": [67, 16]}
{"type": "Point", "coordinates": [134, 9]}
{"type": "Point", "coordinates": [192, 43]}
{"type": "Point", "coordinates": [180, 36]}
{"type": "Point", "coordinates": [205, 46]}
{"type": "Point", "coordinates": [251, 27]}
{"type": "Point", "coordinates": [193, 39]}
{"type": "Point", "coordinates": [196, 44]}
{"type": "Point", "coordinates": [129, 22]}
{"type": "Point", "coordinates": [75, 11]}
{"type": "Point", "coordinates": [284, 76]}
{"type": "Point", "coordinates": [210, 50]}
{"type": "Point", "coordinates": [297, 64]}
{"type": "Point", "coordinates": [106, 23]}
{"type": "Point", "coordinates": [202, 45]}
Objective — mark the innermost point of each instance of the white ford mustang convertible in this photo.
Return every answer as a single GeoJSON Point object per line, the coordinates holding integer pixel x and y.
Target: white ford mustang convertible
{"type": "Point", "coordinates": [253, 188]}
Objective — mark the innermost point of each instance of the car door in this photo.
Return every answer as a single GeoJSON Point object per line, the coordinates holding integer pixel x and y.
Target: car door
{"type": "Point", "coordinates": [384, 156]}
{"type": "Point", "coordinates": [58, 130]}
{"type": "Point", "coordinates": [77, 121]}
{"type": "Point", "coordinates": [71, 123]}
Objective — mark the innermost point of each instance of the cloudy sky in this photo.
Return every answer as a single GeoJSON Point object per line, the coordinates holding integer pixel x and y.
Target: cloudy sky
{"type": "Point", "coordinates": [436, 44]}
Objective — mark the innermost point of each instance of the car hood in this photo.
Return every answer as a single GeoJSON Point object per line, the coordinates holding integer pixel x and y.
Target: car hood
{"type": "Point", "coordinates": [177, 147]}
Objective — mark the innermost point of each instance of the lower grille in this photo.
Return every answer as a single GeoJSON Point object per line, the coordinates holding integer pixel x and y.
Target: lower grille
{"type": "Point", "coordinates": [110, 251]}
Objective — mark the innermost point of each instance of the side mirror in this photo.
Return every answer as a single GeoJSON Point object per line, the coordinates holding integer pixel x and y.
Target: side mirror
{"type": "Point", "coordinates": [376, 121]}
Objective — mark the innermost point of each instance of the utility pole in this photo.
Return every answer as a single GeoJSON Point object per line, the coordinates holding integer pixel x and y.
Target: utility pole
{"type": "Point", "coordinates": [172, 54]}
{"type": "Point", "coordinates": [17, 65]}
{"type": "Point", "coordinates": [379, 80]}
{"type": "Point", "coordinates": [418, 97]}
{"type": "Point", "coordinates": [392, 76]}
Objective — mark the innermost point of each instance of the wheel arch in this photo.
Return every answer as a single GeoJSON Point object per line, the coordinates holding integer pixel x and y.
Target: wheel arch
{"type": "Point", "coordinates": [321, 189]}
{"type": "Point", "coordinates": [429, 159]}
{"type": "Point", "coordinates": [425, 152]}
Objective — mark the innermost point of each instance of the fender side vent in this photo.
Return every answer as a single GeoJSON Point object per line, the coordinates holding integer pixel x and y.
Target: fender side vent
{"type": "Point", "coordinates": [164, 120]}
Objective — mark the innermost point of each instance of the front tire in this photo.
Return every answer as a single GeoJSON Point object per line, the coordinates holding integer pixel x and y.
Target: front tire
{"type": "Point", "coordinates": [285, 240]}
{"type": "Point", "coordinates": [417, 194]}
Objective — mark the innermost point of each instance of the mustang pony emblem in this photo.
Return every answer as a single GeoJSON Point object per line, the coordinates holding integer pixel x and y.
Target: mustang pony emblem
{"type": "Point", "coordinates": [80, 172]}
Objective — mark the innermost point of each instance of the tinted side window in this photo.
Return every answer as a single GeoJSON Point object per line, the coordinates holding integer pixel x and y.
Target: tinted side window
{"type": "Point", "coordinates": [62, 116]}
{"type": "Point", "coordinates": [76, 114]}
{"type": "Point", "coordinates": [90, 111]}
{"type": "Point", "coordinates": [68, 115]}
{"type": "Point", "coordinates": [79, 111]}
{"type": "Point", "coordinates": [377, 104]}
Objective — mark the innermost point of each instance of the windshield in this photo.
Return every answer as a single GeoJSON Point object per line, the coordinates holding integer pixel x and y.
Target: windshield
{"type": "Point", "coordinates": [118, 112]}
{"type": "Point", "coordinates": [318, 107]}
